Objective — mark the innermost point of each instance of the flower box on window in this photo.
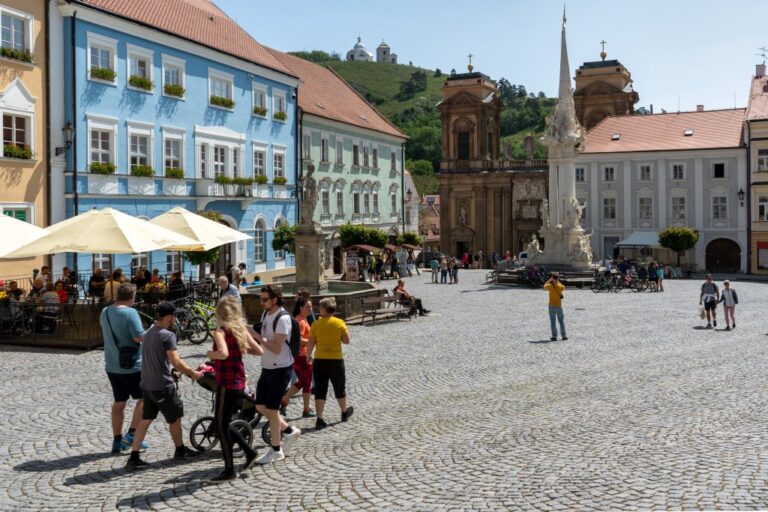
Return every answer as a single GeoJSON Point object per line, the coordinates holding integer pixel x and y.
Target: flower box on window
{"type": "Point", "coordinates": [174, 173]}
{"type": "Point", "coordinates": [223, 180]}
{"type": "Point", "coordinates": [141, 82]}
{"type": "Point", "coordinates": [174, 90]}
{"type": "Point", "coordinates": [102, 168]}
{"type": "Point", "coordinates": [14, 54]}
{"type": "Point", "coordinates": [260, 111]}
{"type": "Point", "coordinates": [221, 101]}
{"type": "Point", "coordinates": [260, 179]}
{"type": "Point", "coordinates": [280, 180]}
{"type": "Point", "coordinates": [103, 74]}
{"type": "Point", "coordinates": [13, 151]}
{"type": "Point", "coordinates": [242, 181]}
{"type": "Point", "coordinates": [280, 116]}
{"type": "Point", "coordinates": [142, 171]}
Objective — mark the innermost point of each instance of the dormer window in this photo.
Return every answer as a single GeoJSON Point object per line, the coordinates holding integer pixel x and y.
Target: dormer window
{"type": "Point", "coordinates": [616, 136]}
{"type": "Point", "coordinates": [688, 132]}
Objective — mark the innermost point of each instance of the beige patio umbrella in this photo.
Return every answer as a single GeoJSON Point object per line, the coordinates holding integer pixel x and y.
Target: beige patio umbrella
{"type": "Point", "coordinates": [102, 231]}
{"type": "Point", "coordinates": [17, 233]}
{"type": "Point", "coordinates": [209, 234]}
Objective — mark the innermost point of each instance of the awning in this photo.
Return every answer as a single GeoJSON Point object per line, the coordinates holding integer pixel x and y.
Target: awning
{"type": "Point", "coordinates": [362, 247]}
{"type": "Point", "coordinates": [391, 247]}
{"type": "Point", "coordinates": [412, 247]}
{"type": "Point", "coordinates": [641, 239]}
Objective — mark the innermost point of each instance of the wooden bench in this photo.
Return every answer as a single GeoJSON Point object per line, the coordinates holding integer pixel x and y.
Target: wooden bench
{"type": "Point", "coordinates": [383, 305]}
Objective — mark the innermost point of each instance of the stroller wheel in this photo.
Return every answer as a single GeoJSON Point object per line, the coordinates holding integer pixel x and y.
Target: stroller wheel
{"type": "Point", "coordinates": [266, 434]}
{"type": "Point", "coordinates": [203, 435]}
{"type": "Point", "coordinates": [244, 429]}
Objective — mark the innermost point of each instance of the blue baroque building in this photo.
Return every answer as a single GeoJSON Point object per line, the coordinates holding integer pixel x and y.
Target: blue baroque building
{"type": "Point", "coordinates": [182, 110]}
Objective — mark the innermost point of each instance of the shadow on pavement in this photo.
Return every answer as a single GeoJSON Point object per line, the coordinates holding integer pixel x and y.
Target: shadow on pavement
{"type": "Point", "coordinates": [542, 341]}
{"type": "Point", "coordinates": [105, 475]}
{"type": "Point", "coordinates": [74, 461]}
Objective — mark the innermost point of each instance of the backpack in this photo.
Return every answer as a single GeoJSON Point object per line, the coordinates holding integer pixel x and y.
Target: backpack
{"type": "Point", "coordinates": [294, 340]}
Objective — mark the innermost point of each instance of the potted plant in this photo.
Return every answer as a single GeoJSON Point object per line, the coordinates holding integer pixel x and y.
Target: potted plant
{"type": "Point", "coordinates": [102, 168]}
{"type": "Point", "coordinates": [242, 181]}
{"type": "Point", "coordinates": [103, 74]}
{"type": "Point", "coordinates": [221, 101]}
{"type": "Point", "coordinates": [260, 179]}
{"type": "Point", "coordinates": [174, 90]}
{"type": "Point", "coordinates": [223, 180]}
{"type": "Point", "coordinates": [13, 151]}
{"type": "Point", "coordinates": [141, 82]}
{"type": "Point", "coordinates": [280, 116]}
{"type": "Point", "coordinates": [260, 111]}
{"type": "Point", "coordinates": [279, 180]}
{"type": "Point", "coordinates": [174, 173]}
{"type": "Point", "coordinates": [14, 54]}
{"type": "Point", "coordinates": [142, 171]}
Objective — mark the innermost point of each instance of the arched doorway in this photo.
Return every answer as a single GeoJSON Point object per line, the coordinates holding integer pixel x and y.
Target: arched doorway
{"type": "Point", "coordinates": [723, 255]}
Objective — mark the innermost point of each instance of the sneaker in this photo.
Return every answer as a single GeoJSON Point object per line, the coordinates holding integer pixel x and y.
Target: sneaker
{"type": "Point", "coordinates": [427, 311]}
{"type": "Point", "coordinates": [282, 410]}
{"type": "Point", "coordinates": [727, 327]}
{"type": "Point", "coordinates": [553, 338]}
{"type": "Point", "coordinates": [709, 326]}
{"type": "Point", "coordinates": [249, 460]}
{"type": "Point", "coordinates": [186, 453]}
{"type": "Point", "coordinates": [224, 476]}
{"type": "Point", "coordinates": [270, 456]}
{"type": "Point", "coordinates": [346, 414]}
{"type": "Point", "coordinates": [290, 439]}
{"type": "Point", "coordinates": [734, 325]}
{"type": "Point", "coordinates": [320, 424]}
{"type": "Point", "coordinates": [134, 464]}
{"type": "Point", "coordinates": [565, 338]}
{"type": "Point", "coordinates": [308, 414]}
{"type": "Point", "coordinates": [128, 442]}
{"type": "Point", "coordinates": [714, 322]}
{"type": "Point", "coordinates": [118, 447]}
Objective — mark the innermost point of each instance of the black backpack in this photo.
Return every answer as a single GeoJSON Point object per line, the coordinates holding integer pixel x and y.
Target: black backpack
{"type": "Point", "coordinates": [294, 341]}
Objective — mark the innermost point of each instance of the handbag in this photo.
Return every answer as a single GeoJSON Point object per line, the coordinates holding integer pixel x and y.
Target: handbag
{"type": "Point", "coordinates": [126, 355]}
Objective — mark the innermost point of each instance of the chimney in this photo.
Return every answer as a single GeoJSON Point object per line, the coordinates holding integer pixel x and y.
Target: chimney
{"type": "Point", "coordinates": [699, 108]}
{"type": "Point", "coordinates": [760, 70]}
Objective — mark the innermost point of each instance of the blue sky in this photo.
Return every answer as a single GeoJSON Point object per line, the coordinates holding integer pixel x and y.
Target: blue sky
{"type": "Point", "coordinates": [680, 52]}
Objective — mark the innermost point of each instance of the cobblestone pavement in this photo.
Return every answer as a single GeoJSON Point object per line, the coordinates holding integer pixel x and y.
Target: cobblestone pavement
{"type": "Point", "coordinates": [469, 408]}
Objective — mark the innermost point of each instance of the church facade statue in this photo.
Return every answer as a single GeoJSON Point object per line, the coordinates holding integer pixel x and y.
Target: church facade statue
{"type": "Point", "coordinates": [309, 199]}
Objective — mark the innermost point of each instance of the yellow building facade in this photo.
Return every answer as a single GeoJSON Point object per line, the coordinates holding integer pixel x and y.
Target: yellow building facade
{"type": "Point", "coordinates": [23, 162]}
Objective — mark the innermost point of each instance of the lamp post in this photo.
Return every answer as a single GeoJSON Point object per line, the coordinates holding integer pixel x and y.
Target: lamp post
{"type": "Point", "coordinates": [69, 137]}
{"type": "Point", "coordinates": [408, 196]}
{"type": "Point", "coordinates": [741, 194]}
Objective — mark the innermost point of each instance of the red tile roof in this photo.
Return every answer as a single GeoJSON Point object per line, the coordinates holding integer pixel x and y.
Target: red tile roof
{"type": "Point", "coordinates": [757, 108]}
{"type": "Point", "coordinates": [323, 93]}
{"type": "Point", "coordinates": [200, 21]}
{"type": "Point", "coordinates": [666, 132]}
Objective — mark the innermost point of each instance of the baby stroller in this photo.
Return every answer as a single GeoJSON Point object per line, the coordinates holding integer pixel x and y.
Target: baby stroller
{"type": "Point", "coordinates": [203, 434]}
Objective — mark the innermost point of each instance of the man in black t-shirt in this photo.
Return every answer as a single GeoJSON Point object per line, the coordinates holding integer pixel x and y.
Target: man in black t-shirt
{"type": "Point", "coordinates": [96, 284]}
{"type": "Point", "coordinates": [158, 386]}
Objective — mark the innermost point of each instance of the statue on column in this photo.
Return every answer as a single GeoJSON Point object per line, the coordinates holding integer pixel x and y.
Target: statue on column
{"type": "Point", "coordinates": [309, 199]}
{"type": "Point", "coordinates": [533, 248]}
{"type": "Point", "coordinates": [544, 211]}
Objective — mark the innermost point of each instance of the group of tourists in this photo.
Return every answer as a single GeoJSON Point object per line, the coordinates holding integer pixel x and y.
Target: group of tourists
{"type": "Point", "coordinates": [446, 269]}
{"type": "Point", "coordinates": [144, 366]}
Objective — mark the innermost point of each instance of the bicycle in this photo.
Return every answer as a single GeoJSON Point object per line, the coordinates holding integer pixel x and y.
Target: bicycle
{"type": "Point", "coordinates": [603, 283]}
{"type": "Point", "coordinates": [190, 325]}
{"type": "Point", "coordinates": [206, 311]}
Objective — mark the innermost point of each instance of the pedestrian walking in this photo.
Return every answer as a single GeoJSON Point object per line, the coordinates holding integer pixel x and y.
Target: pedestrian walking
{"type": "Point", "coordinates": [325, 339]}
{"type": "Point", "coordinates": [159, 387]}
{"type": "Point", "coordinates": [379, 268]}
{"type": "Point", "coordinates": [276, 370]}
{"type": "Point", "coordinates": [123, 333]}
{"type": "Point", "coordinates": [729, 298]}
{"type": "Point", "coordinates": [660, 277]}
{"type": "Point", "coordinates": [555, 289]}
{"type": "Point", "coordinates": [435, 266]}
{"type": "Point", "coordinates": [301, 367]}
{"type": "Point", "coordinates": [451, 264]}
{"type": "Point", "coordinates": [455, 272]}
{"type": "Point", "coordinates": [230, 341]}
{"type": "Point", "coordinates": [710, 296]}
{"type": "Point", "coordinates": [443, 271]}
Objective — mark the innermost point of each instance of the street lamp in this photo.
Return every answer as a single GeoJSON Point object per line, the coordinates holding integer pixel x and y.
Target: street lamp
{"type": "Point", "coordinates": [69, 134]}
{"type": "Point", "coordinates": [741, 194]}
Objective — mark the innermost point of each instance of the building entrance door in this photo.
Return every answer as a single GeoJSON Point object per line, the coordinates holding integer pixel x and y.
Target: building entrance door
{"type": "Point", "coordinates": [723, 255]}
{"type": "Point", "coordinates": [609, 247]}
{"type": "Point", "coordinates": [461, 248]}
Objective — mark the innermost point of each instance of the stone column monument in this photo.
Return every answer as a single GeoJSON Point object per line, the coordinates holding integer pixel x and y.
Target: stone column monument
{"type": "Point", "coordinates": [565, 242]}
{"type": "Point", "coordinates": [309, 240]}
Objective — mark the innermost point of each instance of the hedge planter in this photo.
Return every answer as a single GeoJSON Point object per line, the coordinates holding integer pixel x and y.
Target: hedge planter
{"type": "Point", "coordinates": [174, 90]}
{"type": "Point", "coordinates": [280, 180]}
{"type": "Point", "coordinates": [141, 83]}
{"type": "Point", "coordinates": [11, 151]}
{"type": "Point", "coordinates": [220, 101]}
{"type": "Point", "coordinates": [280, 116]}
{"type": "Point", "coordinates": [142, 171]}
{"type": "Point", "coordinates": [174, 173]}
{"type": "Point", "coordinates": [103, 74]}
{"type": "Point", "coordinates": [100, 168]}
{"type": "Point", "coordinates": [260, 179]}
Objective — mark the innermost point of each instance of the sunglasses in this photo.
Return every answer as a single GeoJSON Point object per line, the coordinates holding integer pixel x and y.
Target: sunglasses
{"type": "Point", "coordinates": [263, 300]}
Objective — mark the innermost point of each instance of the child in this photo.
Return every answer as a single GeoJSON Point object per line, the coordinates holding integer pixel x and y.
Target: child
{"type": "Point", "coordinates": [729, 299]}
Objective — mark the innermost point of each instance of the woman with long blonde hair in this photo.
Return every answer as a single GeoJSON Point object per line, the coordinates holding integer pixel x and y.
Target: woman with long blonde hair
{"type": "Point", "coordinates": [230, 341]}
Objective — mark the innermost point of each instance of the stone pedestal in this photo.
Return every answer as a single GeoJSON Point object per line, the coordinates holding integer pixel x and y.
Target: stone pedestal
{"type": "Point", "coordinates": [309, 266]}
{"type": "Point", "coordinates": [563, 246]}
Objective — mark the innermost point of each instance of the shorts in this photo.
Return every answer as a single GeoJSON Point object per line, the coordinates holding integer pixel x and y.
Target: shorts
{"type": "Point", "coordinates": [329, 370]}
{"type": "Point", "coordinates": [710, 305]}
{"type": "Point", "coordinates": [271, 387]}
{"type": "Point", "coordinates": [125, 386]}
{"type": "Point", "coordinates": [167, 402]}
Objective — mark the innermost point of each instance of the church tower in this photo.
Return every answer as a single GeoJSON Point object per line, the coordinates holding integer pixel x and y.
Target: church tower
{"type": "Point", "coordinates": [470, 115]}
{"type": "Point", "coordinates": [603, 88]}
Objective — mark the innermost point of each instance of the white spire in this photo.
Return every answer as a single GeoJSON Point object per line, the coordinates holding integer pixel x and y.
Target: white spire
{"type": "Point", "coordinates": [565, 68]}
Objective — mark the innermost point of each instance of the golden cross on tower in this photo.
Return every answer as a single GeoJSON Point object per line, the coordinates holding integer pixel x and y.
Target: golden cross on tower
{"type": "Point", "coordinates": [603, 55]}
{"type": "Point", "coordinates": [470, 67]}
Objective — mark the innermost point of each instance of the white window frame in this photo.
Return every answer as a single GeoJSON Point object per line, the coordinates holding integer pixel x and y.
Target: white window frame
{"type": "Point", "coordinates": [725, 170]}
{"type": "Point", "coordinates": [169, 61]}
{"type": "Point", "coordinates": [108, 124]}
{"type": "Point", "coordinates": [208, 137]}
{"type": "Point", "coordinates": [306, 145]}
{"type": "Point", "coordinates": [30, 207]}
{"type": "Point", "coordinates": [278, 151]}
{"type": "Point", "coordinates": [649, 213]}
{"type": "Point", "coordinates": [279, 221]}
{"type": "Point", "coordinates": [339, 191]}
{"type": "Point", "coordinates": [393, 161]}
{"type": "Point", "coordinates": [260, 239]}
{"type": "Point", "coordinates": [137, 52]}
{"type": "Point", "coordinates": [682, 171]}
{"type": "Point", "coordinates": [375, 199]}
{"type": "Point", "coordinates": [263, 149]}
{"type": "Point", "coordinates": [261, 89]}
{"type": "Point", "coordinates": [604, 206]}
{"type": "Point", "coordinates": [762, 160]}
{"type": "Point", "coordinates": [644, 167]}
{"type": "Point", "coordinates": [673, 207]}
{"type": "Point", "coordinates": [339, 151]}
{"type": "Point", "coordinates": [176, 134]}
{"type": "Point", "coordinates": [215, 74]}
{"type": "Point", "coordinates": [612, 174]}
{"type": "Point", "coordinates": [29, 23]}
{"type": "Point", "coordinates": [145, 130]}
{"type": "Point", "coordinates": [98, 40]}
{"type": "Point", "coordinates": [138, 260]}
{"type": "Point", "coordinates": [355, 150]}
{"type": "Point", "coordinates": [172, 261]}
{"type": "Point", "coordinates": [580, 175]}
{"type": "Point", "coordinates": [716, 214]}
{"type": "Point", "coordinates": [325, 149]}
{"type": "Point", "coordinates": [762, 208]}
{"type": "Point", "coordinates": [374, 157]}
{"type": "Point", "coordinates": [203, 157]}
{"type": "Point", "coordinates": [279, 97]}
{"type": "Point", "coordinates": [220, 168]}
{"type": "Point", "coordinates": [29, 130]}
{"type": "Point", "coordinates": [325, 197]}
{"type": "Point", "coordinates": [366, 156]}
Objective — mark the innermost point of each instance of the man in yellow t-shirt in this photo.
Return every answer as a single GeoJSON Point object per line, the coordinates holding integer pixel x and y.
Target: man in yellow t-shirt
{"type": "Point", "coordinates": [555, 289]}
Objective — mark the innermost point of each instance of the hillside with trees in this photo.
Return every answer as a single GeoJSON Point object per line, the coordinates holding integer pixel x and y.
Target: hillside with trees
{"type": "Point", "coordinates": [408, 96]}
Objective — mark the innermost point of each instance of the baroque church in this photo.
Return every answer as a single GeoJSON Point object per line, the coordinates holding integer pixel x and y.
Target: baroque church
{"type": "Point", "coordinates": [488, 203]}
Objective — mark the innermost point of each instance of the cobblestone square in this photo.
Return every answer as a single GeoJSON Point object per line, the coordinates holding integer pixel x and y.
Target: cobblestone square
{"type": "Point", "coordinates": [469, 408]}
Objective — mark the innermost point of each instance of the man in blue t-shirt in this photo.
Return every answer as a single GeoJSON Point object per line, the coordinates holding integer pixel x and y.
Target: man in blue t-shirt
{"type": "Point", "coordinates": [121, 328]}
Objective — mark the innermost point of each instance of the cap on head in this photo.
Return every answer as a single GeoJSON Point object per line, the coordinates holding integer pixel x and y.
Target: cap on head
{"type": "Point", "coordinates": [708, 276]}
{"type": "Point", "coordinates": [726, 282]}
{"type": "Point", "coordinates": [165, 308]}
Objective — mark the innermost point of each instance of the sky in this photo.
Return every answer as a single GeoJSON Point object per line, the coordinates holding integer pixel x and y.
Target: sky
{"type": "Point", "coordinates": [681, 53]}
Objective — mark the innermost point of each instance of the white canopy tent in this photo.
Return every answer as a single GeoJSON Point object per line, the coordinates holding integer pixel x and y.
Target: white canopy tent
{"type": "Point", "coordinates": [641, 239]}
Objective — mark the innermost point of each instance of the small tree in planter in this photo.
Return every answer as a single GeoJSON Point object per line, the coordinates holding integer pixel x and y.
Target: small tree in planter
{"type": "Point", "coordinates": [174, 173]}
{"type": "Point", "coordinates": [141, 82]}
{"type": "Point", "coordinates": [410, 238]}
{"type": "Point", "coordinates": [279, 180]}
{"type": "Point", "coordinates": [285, 238]}
{"type": "Point", "coordinates": [350, 234]}
{"type": "Point", "coordinates": [142, 171]}
{"type": "Point", "coordinates": [678, 239]}
{"type": "Point", "coordinates": [102, 168]}
{"type": "Point", "coordinates": [280, 116]}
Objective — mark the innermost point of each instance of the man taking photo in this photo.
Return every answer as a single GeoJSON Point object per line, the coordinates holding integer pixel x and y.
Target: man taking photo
{"type": "Point", "coordinates": [555, 289]}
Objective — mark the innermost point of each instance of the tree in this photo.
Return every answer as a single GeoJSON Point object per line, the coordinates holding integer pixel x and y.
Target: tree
{"type": "Point", "coordinates": [438, 73]}
{"type": "Point", "coordinates": [205, 257]}
{"type": "Point", "coordinates": [678, 239]}
{"type": "Point", "coordinates": [410, 238]}
{"type": "Point", "coordinates": [285, 238]}
{"type": "Point", "coordinates": [360, 235]}
{"type": "Point", "coordinates": [420, 167]}
{"type": "Point", "coordinates": [317, 56]}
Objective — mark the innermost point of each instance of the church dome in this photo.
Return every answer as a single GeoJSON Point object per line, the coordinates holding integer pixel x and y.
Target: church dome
{"type": "Point", "coordinates": [359, 45]}
{"type": "Point", "coordinates": [383, 45]}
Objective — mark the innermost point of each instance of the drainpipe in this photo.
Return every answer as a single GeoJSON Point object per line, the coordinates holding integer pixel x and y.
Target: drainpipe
{"type": "Point", "coordinates": [299, 116]}
{"type": "Point", "coordinates": [402, 181]}
{"type": "Point", "coordinates": [749, 199]}
{"type": "Point", "coordinates": [47, 191]}
{"type": "Point", "coordinates": [73, 160]}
